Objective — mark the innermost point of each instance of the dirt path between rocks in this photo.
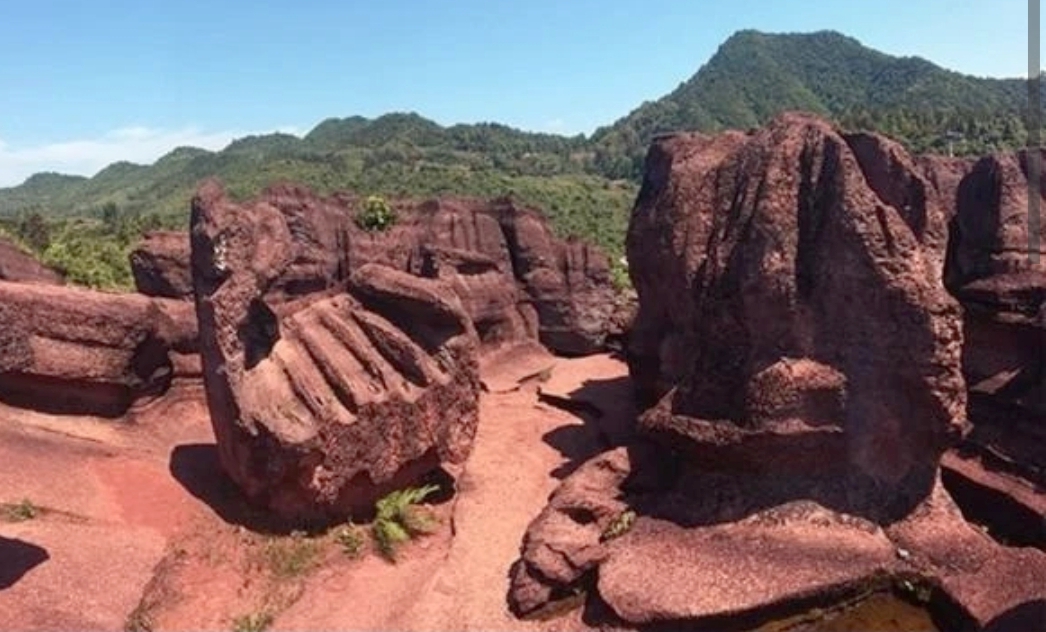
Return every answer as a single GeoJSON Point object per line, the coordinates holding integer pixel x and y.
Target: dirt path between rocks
{"type": "Point", "coordinates": [127, 511]}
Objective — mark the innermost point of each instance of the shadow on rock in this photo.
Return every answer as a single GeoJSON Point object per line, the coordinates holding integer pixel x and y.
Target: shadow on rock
{"type": "Point", "coordinates": [17, 558]}
{"type": "Point", "coordinates": [198, 469]}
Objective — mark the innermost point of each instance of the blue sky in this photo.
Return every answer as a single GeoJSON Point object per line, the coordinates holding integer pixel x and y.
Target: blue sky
{"type": "Point", "coordinates": [84, 83]}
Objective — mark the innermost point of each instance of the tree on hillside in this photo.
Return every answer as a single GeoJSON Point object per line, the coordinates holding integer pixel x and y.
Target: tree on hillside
{"type": "Point", "coordinates": [33, 230]}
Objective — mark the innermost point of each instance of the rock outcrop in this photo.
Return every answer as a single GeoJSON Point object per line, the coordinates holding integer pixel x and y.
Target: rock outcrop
{"type": "Point", "coordinates": [786, 298]}
{"type": "Point", "coordinates": [322, 401]}
{"type": "Point", "coordinates": [994, 268]}
{"type": "Point", "coordinates": [802, 363]}
{"type": "Point", "coordinates": [515, 278]}
{"type": "Point", "coordinates": [75, 351]}
{"type": "Point", "coordinates": [160, 265]}
{"type": "Point", "coordinates": [19, 266]}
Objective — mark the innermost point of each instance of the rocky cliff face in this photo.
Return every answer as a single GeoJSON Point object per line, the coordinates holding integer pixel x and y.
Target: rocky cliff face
{"type": "Point", "coordinates": [322, 401]}
{"type": "Point", "coordinates": [515, 278]}
{"type": "Point", "coordinates": [789, 285]}
{"type": "Point", "coordinates": [995, 269]}
{"type": "Point", "coordinates": [801, 360]}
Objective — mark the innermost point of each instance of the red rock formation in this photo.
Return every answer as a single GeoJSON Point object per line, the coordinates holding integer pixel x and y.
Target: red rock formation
{"type": "Point", "coordinates": [160, 265]}
{"type": "Point", "coordinates": [515, 278]}
{"type": "Point", "coordinates": [321, 402]}
{"type": "Point", "coordinates": [803, 361]}
{"type": "Point", "coordinates": [75, 351]}
{"type": "Point", "coordinates": [994, 268]}
{"type": "Point", "coordinates": [17, 265]}
{"type": "Point", "coordinates": [781, 290]}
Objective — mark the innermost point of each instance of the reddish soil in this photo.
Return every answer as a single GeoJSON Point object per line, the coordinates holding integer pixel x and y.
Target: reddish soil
{"type": "Point", "coordinates": [136, 524]}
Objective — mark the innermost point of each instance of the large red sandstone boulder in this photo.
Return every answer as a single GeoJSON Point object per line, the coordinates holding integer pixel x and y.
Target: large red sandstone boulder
{"type": "Point", "coordinates": [160, 265]}
{"type": "Point", "coordinates": [323, 401]}
{"type": "Point", "coordinates": [18, 265]}
{"type": "Point", "coordinates": [802, 360]}
{"type": "Point", "coordinates": [789, 289]}
{"type": "Point", "coordinates": [76, 351]}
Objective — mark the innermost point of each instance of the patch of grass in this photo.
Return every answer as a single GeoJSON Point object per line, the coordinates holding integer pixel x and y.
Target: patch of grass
{"type": "Point", "coordinates": [619, 526]}
{"type": "Point", "coordinates": [351, 537]}
{"type": "Point", "coordinates": [22, 511]}
{"type": "Point", "coordinates": [291, 556]}
{"type": "Point", "coordinates": [400, 518]}
{"type": "Point", "coordinates": [253, 622]}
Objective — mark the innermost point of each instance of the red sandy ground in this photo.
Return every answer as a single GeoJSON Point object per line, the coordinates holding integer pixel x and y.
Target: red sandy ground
{"type": "Point", "coordinates": [128, 539]}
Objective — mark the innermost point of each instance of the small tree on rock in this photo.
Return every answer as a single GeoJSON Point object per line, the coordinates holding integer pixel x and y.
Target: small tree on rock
{"type": "Point", "coordinates": [376, 215]}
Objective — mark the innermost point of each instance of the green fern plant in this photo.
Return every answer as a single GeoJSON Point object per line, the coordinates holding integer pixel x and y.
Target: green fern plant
{"type": "Point", "coordinates": [399, 518]}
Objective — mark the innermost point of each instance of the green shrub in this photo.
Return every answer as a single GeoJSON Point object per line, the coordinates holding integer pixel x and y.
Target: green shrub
{"type": "Point", "coordinates": [376, 215]}
{"type": "Point", "coordinates": [400, 518]}
{"type": "Point", "coordinates": [619, 275]}
{"type": "Point", "coordinates": [351, 538]}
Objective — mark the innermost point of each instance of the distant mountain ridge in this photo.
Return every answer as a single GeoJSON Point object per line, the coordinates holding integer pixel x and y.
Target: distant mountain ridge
{"type": "Point", "coordinates": [580, 180]}
{"type": "Point", "coordinates": [754, 76]}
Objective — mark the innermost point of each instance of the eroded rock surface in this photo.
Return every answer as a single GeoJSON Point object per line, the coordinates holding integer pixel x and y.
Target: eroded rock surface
{"type": "Point", "coordinates": [321, 402]}
{"type": "Point", "coordinates": [17, 265]}
{"type": "Point", "coordinates": [516, 280]}
{"type": "Point", "coordinates": [76, 351]}
{"type": "Point", "coordinates": [801, 359]}
{"type": "Point", "coordinates": [994, 268]}
{"type": "Point", "coordinates": [160, 265]}
{"type": "Point", "coordinates": [789, 287]}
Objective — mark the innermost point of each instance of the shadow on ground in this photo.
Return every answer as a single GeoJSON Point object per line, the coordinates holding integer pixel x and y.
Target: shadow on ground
{"type": "Point", "coordinates": [18, 557]}
{"type": "Point", "coordinates": [196, 467]}
{"type": "Point", "coordinates": [608, 412]}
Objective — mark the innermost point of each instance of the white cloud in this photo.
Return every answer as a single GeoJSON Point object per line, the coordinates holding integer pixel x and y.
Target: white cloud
{"type": "Point", "coordinates": [555, 125]}
{"type": "Point", "coordinates": [87, 157]}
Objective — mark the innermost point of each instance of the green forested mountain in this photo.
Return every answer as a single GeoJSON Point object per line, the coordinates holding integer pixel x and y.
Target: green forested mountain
{"type": "Point", "coordinates": [585, 184]}
{"type": "Point", "coordinates": [754, 76]}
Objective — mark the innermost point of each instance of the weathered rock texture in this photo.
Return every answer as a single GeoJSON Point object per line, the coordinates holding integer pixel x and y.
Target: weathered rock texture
{"type": "Point", "coordinates": [995, 269]}
{"type": "Point", "coordinates": [789, 285]}
{"type": "Point", "coordinates": [75, 351]}
{"type": "Point", "coordinates": [803, 363]}
{"type": "Point", "coordinates": [516, 279]}
{"type": "Point", "coordinates": [17, 265]}
{"type": "Point", "coordinates": [323, 401]}
{"type": "Point", "coordinates": [160, 265]}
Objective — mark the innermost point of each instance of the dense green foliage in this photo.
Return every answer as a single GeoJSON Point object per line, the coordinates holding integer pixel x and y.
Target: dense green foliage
{"type": "Point", "coordinates": [396, 155]}
{"type": "Point", "coordinates": [376, 215]}
{"type": "Point", "coordinates": [585, 185]}
{"type": "Point", "coordinates": [754, 76]}
{"type": "Point", "coordinates": [91, 251]}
